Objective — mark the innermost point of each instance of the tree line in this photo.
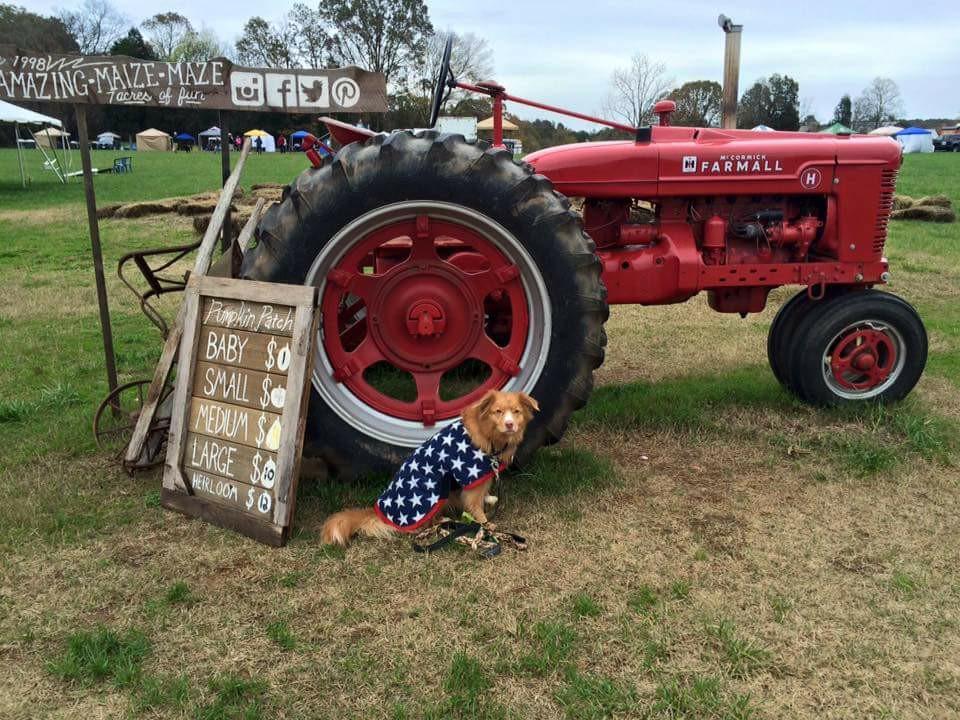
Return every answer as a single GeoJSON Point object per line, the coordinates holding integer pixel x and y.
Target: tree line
{"type": "Point", "coordinates": [398, 39]}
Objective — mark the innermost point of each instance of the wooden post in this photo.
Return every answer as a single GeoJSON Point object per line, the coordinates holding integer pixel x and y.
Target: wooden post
{"type": "Point", "coordinates": [200, 267]}
{"type": "Point", "coordinates": [731, 71]}
{"type": "Point", "coordinates": [94, 224]}
{"type": "Point", "coordinates": [225, 175]}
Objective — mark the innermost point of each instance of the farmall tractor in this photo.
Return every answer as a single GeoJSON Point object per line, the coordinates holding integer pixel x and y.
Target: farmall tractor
{"type": "Point", "coordinates": [446, 268]}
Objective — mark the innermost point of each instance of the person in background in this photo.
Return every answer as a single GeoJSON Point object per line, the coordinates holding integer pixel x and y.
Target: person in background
{"type": "Point", "coordinates": [282, 143]}
{"type": "Point", "coordinates": [238, 142]}
{"type": "Point", "coordinates": [258, 145]}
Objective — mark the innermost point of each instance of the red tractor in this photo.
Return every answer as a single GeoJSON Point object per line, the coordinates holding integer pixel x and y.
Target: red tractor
{"type": "Point", "coordinates": [446, 268]}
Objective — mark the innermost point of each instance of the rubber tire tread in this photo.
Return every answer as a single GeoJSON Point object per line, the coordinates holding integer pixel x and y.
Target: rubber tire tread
{"type": "Point", "coordinates": [827, 318]}
{"type": "Point", "coordinates": [431, 166]}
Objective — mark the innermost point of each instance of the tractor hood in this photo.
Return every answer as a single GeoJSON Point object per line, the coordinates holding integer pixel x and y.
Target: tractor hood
{"type": "Point", "coordinates": [691, 161]}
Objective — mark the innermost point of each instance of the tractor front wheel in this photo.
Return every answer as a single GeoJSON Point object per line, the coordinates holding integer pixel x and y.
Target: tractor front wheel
{"type": "Point", "coordinates": [862, 345]}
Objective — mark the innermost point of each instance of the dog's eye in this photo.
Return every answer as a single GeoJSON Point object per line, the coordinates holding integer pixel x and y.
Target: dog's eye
{"type": "Point", "coordinates": [498, 411]}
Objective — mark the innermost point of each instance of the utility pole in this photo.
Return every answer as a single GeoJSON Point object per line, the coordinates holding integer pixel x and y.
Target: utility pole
{"type": "Point", "coordinates": [731, 70]}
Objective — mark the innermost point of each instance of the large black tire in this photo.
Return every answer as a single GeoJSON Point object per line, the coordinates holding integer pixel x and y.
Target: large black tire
{"type": "Point", "coordinates": [403, 167]}
{"type": "Point", "coordinates": [820, 335]}
{"type": "Point", "coordinates": [783, 329]}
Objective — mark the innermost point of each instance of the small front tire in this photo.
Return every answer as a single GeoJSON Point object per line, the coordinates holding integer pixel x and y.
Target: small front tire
{"type": "Point", "coordinates": [860, 346]}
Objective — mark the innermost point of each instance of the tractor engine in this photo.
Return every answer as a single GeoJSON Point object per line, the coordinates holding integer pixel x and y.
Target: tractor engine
{"type": "Point", "coordinates": [733, 231]}
{"type": "Point", "coordinates": [732, 212]}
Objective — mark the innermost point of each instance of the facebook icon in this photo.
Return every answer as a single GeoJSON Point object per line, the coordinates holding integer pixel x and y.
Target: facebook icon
{"type": "Point", "coordinates": [281, 90]}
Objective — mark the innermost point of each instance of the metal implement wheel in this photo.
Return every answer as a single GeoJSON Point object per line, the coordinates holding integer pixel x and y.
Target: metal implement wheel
{"type": "Point", "coordinates": [445, 269]}
{"type": "Point", "coordinates": [116, 418]}
{"type": "Point", "coordinates": [865, 345]}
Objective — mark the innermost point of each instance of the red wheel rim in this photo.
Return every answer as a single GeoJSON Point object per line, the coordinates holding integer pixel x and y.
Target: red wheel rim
{"type": "Point", "coordinates": [863, 359]}
{"type": "Point", "coordinates": [423, 295]}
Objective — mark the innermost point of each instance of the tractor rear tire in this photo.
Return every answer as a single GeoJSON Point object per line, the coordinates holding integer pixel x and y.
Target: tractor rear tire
{"type": "Point", "coordinates": [860, 346]}
{"type": "Point", "coordinates": [443, 186]}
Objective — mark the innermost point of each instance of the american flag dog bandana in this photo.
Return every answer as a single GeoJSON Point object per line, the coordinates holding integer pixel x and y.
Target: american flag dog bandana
{"type": "Point", "coordinates": [420, 488]}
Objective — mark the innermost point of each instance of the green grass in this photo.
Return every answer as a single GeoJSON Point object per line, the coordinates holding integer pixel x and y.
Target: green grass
{"type": "Point", "coordinates": [179, 592]}
{"type": "Point", "coordinates": [643, 600]}
{"type": "Point", "coordinates": [693, 697]}
{"type": "Point", "coordinates": [234, 697]}
{"type": "Point", "coordinates": [155, 175]}
{"type": "Point", "coordinates": [595, 697]}
{"type": "Point", "coordinates": [585, 606]}
{"type": "Point", "coordinates": [741, 656]}
{"type": "Point", "coordinates": [550, 645]}
{"type": "Point", "coordinates": [102, 654]}
{"type": "Point", "coordinates": [279, 631]}
{"type": "Point", "coordinates": [159, 693]}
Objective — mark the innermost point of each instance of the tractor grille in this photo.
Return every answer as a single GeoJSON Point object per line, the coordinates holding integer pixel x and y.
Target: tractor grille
{"type": "Point", "coordinates": [887, 186]}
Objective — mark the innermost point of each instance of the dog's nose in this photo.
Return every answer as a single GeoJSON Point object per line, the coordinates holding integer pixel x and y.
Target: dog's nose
{"type": "Point", "coordinates": [509, 424]}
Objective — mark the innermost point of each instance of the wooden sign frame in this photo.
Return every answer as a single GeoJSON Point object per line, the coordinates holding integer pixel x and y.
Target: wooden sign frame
{"type": "Point", "coordinates": [223, 498]}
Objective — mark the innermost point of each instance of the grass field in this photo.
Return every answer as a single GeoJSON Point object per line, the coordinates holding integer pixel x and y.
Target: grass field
{"type": "Point", "coordinates": [702, 545]}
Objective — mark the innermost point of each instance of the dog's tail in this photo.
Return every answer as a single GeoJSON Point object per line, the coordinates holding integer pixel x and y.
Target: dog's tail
{"type": "Point", "coordinates": [341, 526]}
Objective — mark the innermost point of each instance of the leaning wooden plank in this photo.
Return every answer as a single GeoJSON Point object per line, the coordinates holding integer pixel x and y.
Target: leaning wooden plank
{"type": "Point", "coordinates": [244, 238]}
{"type": "Point", "coordinates": [200, 267]}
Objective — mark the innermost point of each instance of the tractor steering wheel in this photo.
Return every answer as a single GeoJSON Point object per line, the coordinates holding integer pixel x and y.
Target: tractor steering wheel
{"type": "Point", "coordinates": [442, 83]}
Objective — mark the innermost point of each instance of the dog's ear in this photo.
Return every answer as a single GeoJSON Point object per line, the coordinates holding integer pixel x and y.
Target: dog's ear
{"type": "Point", "coordinates": [483, 405]}
{"type": "Point", "coordinates": [529, 404]}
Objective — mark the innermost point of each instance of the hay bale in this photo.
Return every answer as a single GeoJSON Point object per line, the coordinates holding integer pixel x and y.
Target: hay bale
{"type": "Point", "coordinates": [270, 194]}
{"type": "Point", "coordinates": [108, 211]}
{"type": "Point", "coordinates": [927, 213]}
{"type": "Point", "coordinates": [267, 186]}
{"type": "Point", "coordinates": [934, 201]}
{"type": "Point", "coordinates": [141, 209]}
{"type": "Point", "coordinates": [237, 221]}
{"type": "Point", "coordinates": [901, 202]}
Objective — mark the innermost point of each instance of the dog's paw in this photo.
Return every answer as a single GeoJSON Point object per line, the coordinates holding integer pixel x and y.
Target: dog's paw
{"type": "Point", "coordinates": [490, 500]}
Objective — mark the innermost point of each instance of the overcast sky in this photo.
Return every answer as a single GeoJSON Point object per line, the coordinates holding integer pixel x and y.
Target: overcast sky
{"type": "Point", "coordinates": [563, 52]}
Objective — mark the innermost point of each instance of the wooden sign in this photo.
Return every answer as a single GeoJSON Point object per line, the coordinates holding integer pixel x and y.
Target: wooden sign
{"type": "Point", "coordinates": [215, 84]}
{"type": "Point", "coordinates": [239, 408]}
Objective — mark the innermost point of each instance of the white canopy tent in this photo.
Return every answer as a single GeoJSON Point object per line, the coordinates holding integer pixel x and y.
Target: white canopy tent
{"type": "Point", "coordinates": [21, 116]}
{"type": "Point", "coordinates": [209, 135]}
{"type": "Point", "coordinates": [107, 139]}
{"type": "Point", "coordinates": [886, 130]}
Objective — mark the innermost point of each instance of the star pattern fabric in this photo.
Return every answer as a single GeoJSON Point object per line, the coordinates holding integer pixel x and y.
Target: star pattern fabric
{"type": "Point", "coordinates": [420, 488]}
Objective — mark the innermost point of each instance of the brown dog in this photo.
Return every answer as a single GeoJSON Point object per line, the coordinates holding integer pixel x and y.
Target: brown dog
{"type": "Point", "coordinates": [458, 463]}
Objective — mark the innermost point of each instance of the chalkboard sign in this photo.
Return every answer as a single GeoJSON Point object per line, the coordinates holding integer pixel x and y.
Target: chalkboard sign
{"type": "Point", "coordinates": [209, 84]}
{"type": "Point", "coordinates": [239, 407]}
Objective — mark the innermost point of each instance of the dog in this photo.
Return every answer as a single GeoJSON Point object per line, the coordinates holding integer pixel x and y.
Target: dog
{"type": "Point", "coordinates": [458, 463]}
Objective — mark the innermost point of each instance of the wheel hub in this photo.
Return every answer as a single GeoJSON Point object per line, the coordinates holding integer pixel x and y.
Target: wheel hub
{"type": "Point", "coordinates": [426, 317]}
{"type": "Point", "coordinates": [424, 307]}
{"type": "Point", "coordinates": [863, 359]}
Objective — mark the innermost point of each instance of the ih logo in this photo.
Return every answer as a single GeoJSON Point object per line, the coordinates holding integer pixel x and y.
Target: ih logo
{"type": "Point", "coordinates": [810, 179]}
{"type": "Point", "coordinates": [689, 163]}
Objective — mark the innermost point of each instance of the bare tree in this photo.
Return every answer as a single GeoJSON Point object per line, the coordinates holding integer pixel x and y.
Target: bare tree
{"type": "Point", "coordinates": [471, 60]}
{"type": "Point", "coordinates": [310, 42]}
{"type": "Point", "coordinates": [166, 31]}
{"type": "Point", "coordinates": [635, 89]}
{"type": "Point", "coordinates": [879, 103]}
{"type": "Point", "coordinates": [95, 26]}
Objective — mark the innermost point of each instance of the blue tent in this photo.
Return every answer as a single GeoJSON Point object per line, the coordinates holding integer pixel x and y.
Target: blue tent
{"type": "Point", "coordinates": [184, 137]}
{"type": "Point", "coordinates": [299, 135]}
{"type": "Point", "coordinates": [915, 139]}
